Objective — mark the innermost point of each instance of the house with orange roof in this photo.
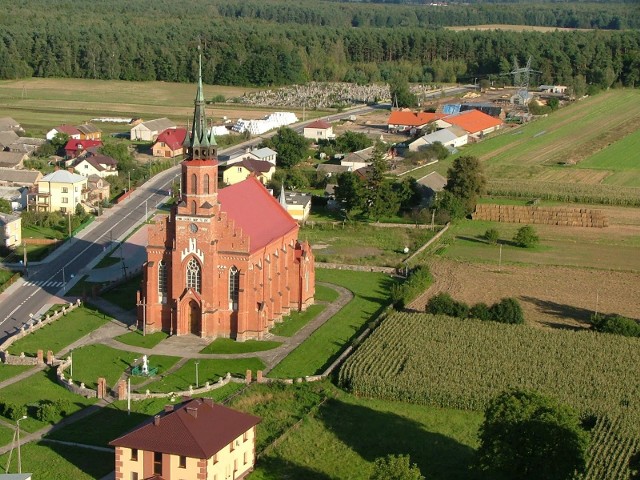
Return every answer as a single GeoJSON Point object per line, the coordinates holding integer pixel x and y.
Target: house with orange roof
{"type": "Point", "coordinates": [474, 122]}
{"type": "Point", "coordinates": [197, 439]}
{"type": "Point", "coordinates": [405, 120]}
{"type": "Point", "coordinates": [169, 143]}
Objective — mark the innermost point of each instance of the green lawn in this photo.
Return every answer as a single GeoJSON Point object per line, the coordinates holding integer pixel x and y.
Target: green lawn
{"type": "Point", "coordinates": [227, 345]}
{"type": "Point", "coordinates": [33, 231]}
{"type": "Point", "coordinates": [208, 371]}
{"type": "Point", "coordinates": [124, 295]}
{"type": "Point", "coordinates": [61, 333]}
{"type": "Point", "coordinates": [314, 355]}
{"type": "Point", "coordinates": [6, 437]}
{"type": "Point", "coordinates": [384, 246]}
{"type": "Point", "coordinates": [136, 339]}
{"type": "Point", "coordinates": [60, 462]}
{"type": "Point", "coordinates": [8, 371]}
{"type": "Point", "coordinates": [38, 387]}
{"type": "Point", "coordinates": [325, 294]}
{"type": "Point", "coordinates": [296, 320]}
{"type": "Point", "coordinates": [161, 362]}
{"type": "Point", "coordinates": [94, 361]}
{"type": "Point", "coordinates": [5, 275]}
{"type": "Point", "coordinates": [348, 433]}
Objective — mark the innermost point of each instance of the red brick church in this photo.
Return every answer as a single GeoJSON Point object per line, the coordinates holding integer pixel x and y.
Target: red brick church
{"type": "Point", "coordinates": [224, 263]}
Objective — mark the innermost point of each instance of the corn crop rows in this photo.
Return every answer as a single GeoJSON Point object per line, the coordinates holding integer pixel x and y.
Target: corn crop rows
{"type": "Point", "coordinates": [609, 452]}
{"type": "Point", "coordinates": [441, 361]}
{"type": "Point", "coordinates": [566, 192]}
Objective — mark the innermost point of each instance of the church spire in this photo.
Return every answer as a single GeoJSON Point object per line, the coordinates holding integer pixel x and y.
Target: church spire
{"type": "Point", "coordinates": [200, 140]}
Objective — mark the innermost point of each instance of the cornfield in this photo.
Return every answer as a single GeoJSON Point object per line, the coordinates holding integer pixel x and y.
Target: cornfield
{"type": "Point", "coordinates": [566, 192]}
{"type": "Point", "coordinates": [437, 360]}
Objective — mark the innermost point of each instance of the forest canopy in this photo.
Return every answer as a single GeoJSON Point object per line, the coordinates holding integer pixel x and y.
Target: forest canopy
{"type": "Point", "coordinates": [275, 42]}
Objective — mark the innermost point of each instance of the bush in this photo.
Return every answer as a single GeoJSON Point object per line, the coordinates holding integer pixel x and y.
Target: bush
{"type": "Point", "coordinates": [616, 324]}
{"type": "Point", "coordinates": [13, 411]}
{"type": "Point", "coordinates": [481, 311]}
{"type": "Point", "coordinates": [47, 411]}
{"type": "Point", "coordinates": [492, 235]}
{"type": "Point", "coordinates": [63, 406]}
{"type": "Point", "coordinates": [417, 282]}
{"type": "Point", "coordinates": [526, 237]}
{"type": "Point", "coordinates": [507, 310]}
{"type": "Point", "coordinates": [443, 304]}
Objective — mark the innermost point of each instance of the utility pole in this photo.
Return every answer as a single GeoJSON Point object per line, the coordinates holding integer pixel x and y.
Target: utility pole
{"type": "Point", "coordinates": [197, 380]}
{"type": "Point", "coordinates": [69, 217]}
{"type": "Point", "coordinates": [500, 259]}
{"type": "Point", "coordinates": [24, 252]}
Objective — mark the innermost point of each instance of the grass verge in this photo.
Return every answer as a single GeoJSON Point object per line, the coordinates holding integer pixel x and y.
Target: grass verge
{"type": "Point", "coordinates": [10, 371]}
{"type": "Point", "coordinates": [296, 320]}
{"type": "Point", "coordinates": [325, 294]}
{"type": "Point", "coordinates": [371, 296]}
{"type": "Point", "coordinates": [229, 346]}
{"type": "Point", "coordinates": [137, 339]}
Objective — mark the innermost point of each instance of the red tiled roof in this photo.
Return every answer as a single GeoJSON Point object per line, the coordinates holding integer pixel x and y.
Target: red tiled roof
{"type": "Point", "coordinates": [473, 121]}
{"type": "Point", "coordinates": [411, 119]}
{"type": "Point", "coordinates": [73, 144]}
{"type": "Point", "coordinates": [256, 211]}
{"type": "Point", "coordinates": [318, 124]}
{"type": "Point", "coordinates": [68, 129]}
{"type": "Point", "coordinates": [173, 137]}
{"type": "Point", "coordinates": [196, 429]}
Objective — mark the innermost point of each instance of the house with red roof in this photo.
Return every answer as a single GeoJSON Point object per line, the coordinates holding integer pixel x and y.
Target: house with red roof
{"type": "Point", "coordinates": [406, 120]}
{"type": "Point", "coordinates": [474, 122]}
{"type": "Point", "coordinates": [74, 147]}
{"type": "Point", "coordinates": [225, 262]}
{"type": "Point", "coordinates": [169, 143]}
{"type": "Point", "coordinates": [197, 439]}
{"type": "Point", "coordinates": [318, 130]}
{"type": "Point", "coordinates": [71, 131]}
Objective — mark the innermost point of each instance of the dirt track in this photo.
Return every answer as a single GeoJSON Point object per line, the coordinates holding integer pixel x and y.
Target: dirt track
{"type": "Point", "coordinates": [550, 296]}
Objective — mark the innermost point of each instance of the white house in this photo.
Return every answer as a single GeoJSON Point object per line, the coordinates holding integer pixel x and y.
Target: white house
{"type": "Point", "coordinates": [265, 154]}
{"type": "Point", "coordinates": [453, 137]}
{"type": "Point", "coordinates": [319, 130]}
{"type": "Point", "coordinates": [149, 131]}
{"type": "Point", "coordinates": [100, 165]}
{"type": "Point", "coordinates": [69, 130]}
{"type": "Point", "coordinates": [10, 230]}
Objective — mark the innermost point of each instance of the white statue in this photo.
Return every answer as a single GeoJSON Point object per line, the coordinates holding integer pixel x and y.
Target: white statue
{"type": "Point", "coordinates": [145, 365]}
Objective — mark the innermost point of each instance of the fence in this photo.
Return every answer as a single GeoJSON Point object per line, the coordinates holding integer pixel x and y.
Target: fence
{"type": "Point", "coordinates": [571, 217]}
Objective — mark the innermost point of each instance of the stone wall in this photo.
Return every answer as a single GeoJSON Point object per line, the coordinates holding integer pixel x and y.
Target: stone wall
{"type": "Point", "coordinates": [571, 217]}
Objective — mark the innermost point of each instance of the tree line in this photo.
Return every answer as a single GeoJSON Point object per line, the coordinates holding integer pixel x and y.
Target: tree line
{"type": "Point", "coordinates": [157, 40]}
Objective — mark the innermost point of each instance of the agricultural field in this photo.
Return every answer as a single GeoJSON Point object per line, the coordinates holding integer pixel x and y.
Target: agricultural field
{"type": "Point", "coordinates": [41, 103]}
{"type": "Point", "coordinates": [445, 362]}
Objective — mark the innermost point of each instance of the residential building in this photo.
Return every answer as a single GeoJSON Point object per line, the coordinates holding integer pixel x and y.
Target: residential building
{"type": "Point", "coordinates": [60, 190]}
{"type": "Point", "coordinates": [74, 147]}
{"type": "Point", "coordinates": [99, 189]}
{"type": "Point", "coordinates": [10, 230]}
{"type": "Point", "coordinates": [264, 154]}
{"type": "Point", "coordinates": [433, 182]}
{"type": "Point", "coordinates": [330, 170]}
{"type": "Point", "coordinates": [149, 131]}
{"type": "Point", "coordinates": [10, 177]}
{"type": "Point", "coordinates": [100, 165]}
{"type": "Point", "coordinates": [361, 158]}
{"type": "Point", "coordinates": [474, 122]}
{"type": "Point", "coordinates": [297, 204]}
{"type": "Point", "coordinates": [452, 137]}
{"type": "Point", "coordinates": [225, 262]}
{"type": "Point", "coordinates": [26, 145]}
{"type": "Point", "coordinates": [262, 171]}
{"type": "Point", "coordinates": [7, 138]}
{"type": "Point", "coordinates": [169, 143]}
{"type": "Point", "coordinates": [17, 196]}
{"type": "Point", "coordinates": [69, 130]}
{"type": "Point", "coordinates": [12, 159]}
{"type": "Point", "coordinates": [319, 130]}
{"type": "Point", "coordinates": [197, 439]}
{"type": "Point", "coordinates": [8, 123]}
{"type": "Point", "coordinates": [406, 120]}
{"type": "Point", "coordinates": [89, 131]}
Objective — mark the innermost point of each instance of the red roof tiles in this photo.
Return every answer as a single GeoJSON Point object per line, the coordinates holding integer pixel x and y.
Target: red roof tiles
{"type": "Point", "coordinates": [408, 118]}
{"type": "Point", "coordinates": [74, 145]}
{"type": "Point", "coordinates": [473, 121]}
{"type": "Point", "coordinates": [68, 129]}
{"type": "Point", "coordinates": [196, 429]}
{"type": "Point", "coordinates": [173, 137]}
{"type": "Point", "coordinates": [319, 124]}
{"type": "Point", "coordinates": [256, 211]}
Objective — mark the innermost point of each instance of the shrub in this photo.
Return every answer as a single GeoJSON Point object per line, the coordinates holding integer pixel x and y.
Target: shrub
{"type": "Point", "coordinates": [63, 406]}
{"type": "Point", "coordinates": [47, 411]}
{"type": "Point", "coordinates": [13, 411]}
{"type": "Point", "coordinates": [526, 237]}
{"type": "Point", "coordinates": [507, 310]}
{"type": "Point", "coordinates": [443, 304]}
{"type": "Point", "coordinates": [492, 235]}
{"type": "Point", "coordinates": [616, 324]}
{"type": "Point", "coordinates": [417, 282]}
{"type": "Point", "coordinates": [481, 311]}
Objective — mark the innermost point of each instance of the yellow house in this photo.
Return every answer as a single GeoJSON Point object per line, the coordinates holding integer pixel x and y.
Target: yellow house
{"type": "Point", "coordinates": [10, 230]}
{"type": "Point", "coordinates": [238, 172]}
{"type": "Point", "coordinates": [195, 440]}
{"type": "Point", "coordinates": [60, 190]}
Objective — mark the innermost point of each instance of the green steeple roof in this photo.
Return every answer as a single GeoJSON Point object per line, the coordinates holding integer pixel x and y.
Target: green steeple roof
{"type": "Point", "coordinates": [199, 136]}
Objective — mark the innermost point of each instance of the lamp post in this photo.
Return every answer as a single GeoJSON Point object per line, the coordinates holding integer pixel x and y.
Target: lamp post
{"type": "Point", "coordinates": [71, 364]}
{"type": "Point", "coordinates": [197, 382]}
{"type": "Point", "coordinates": [18, 432]}
{"type": "Point", "coordinates": [64, 282]}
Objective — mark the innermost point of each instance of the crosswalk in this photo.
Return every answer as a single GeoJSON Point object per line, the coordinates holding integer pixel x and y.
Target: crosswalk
{"type": "Point", "coordinates": [44, 283]}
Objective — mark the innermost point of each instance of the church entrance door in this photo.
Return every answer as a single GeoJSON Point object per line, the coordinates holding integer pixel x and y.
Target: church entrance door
{"type": "Point", "coordinates": [194, 318]}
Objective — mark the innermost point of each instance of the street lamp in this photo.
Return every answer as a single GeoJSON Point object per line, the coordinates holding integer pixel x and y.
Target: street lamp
{"type": "Point", "coordinates": [71, 364]}
{"type": "Point", "coordinates": [18, 432]}
{"type": "Point", "coordinates": [197, 382]}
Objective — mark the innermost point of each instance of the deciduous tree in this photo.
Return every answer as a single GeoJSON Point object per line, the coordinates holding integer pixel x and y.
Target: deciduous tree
{"type": "Point", "coordinates": [292, 147]}
{"type": "Point", "coordinates": [466, 181]}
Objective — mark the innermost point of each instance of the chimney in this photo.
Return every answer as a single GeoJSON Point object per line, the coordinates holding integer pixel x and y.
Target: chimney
{"type": "Point", "coordinates": [193, 411]}
{"type": "Point", "coordinates": [168, 408]}
{"type": "Point", "coordinates": [156, 420]}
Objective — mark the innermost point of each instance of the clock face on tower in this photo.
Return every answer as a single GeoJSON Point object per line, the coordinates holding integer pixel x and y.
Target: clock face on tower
{"type": "Point", "coordinates": [193, 227]}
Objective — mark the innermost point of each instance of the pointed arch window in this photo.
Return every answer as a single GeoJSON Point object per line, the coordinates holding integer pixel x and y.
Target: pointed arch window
{"type": "Point", "coordinates": [162, 279]}
{"type": "Point", "coordinates": [194, 276]}
{"type": "Point", "coordinates": [194, 184]}
{"type": "Point", "coordinates": [206, 184]}
{"type": "Point", "coordinates": [234, 288]}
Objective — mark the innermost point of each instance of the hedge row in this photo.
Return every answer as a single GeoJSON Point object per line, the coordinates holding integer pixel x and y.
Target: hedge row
{"type": "Point", "coordinates": [507, 310]}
